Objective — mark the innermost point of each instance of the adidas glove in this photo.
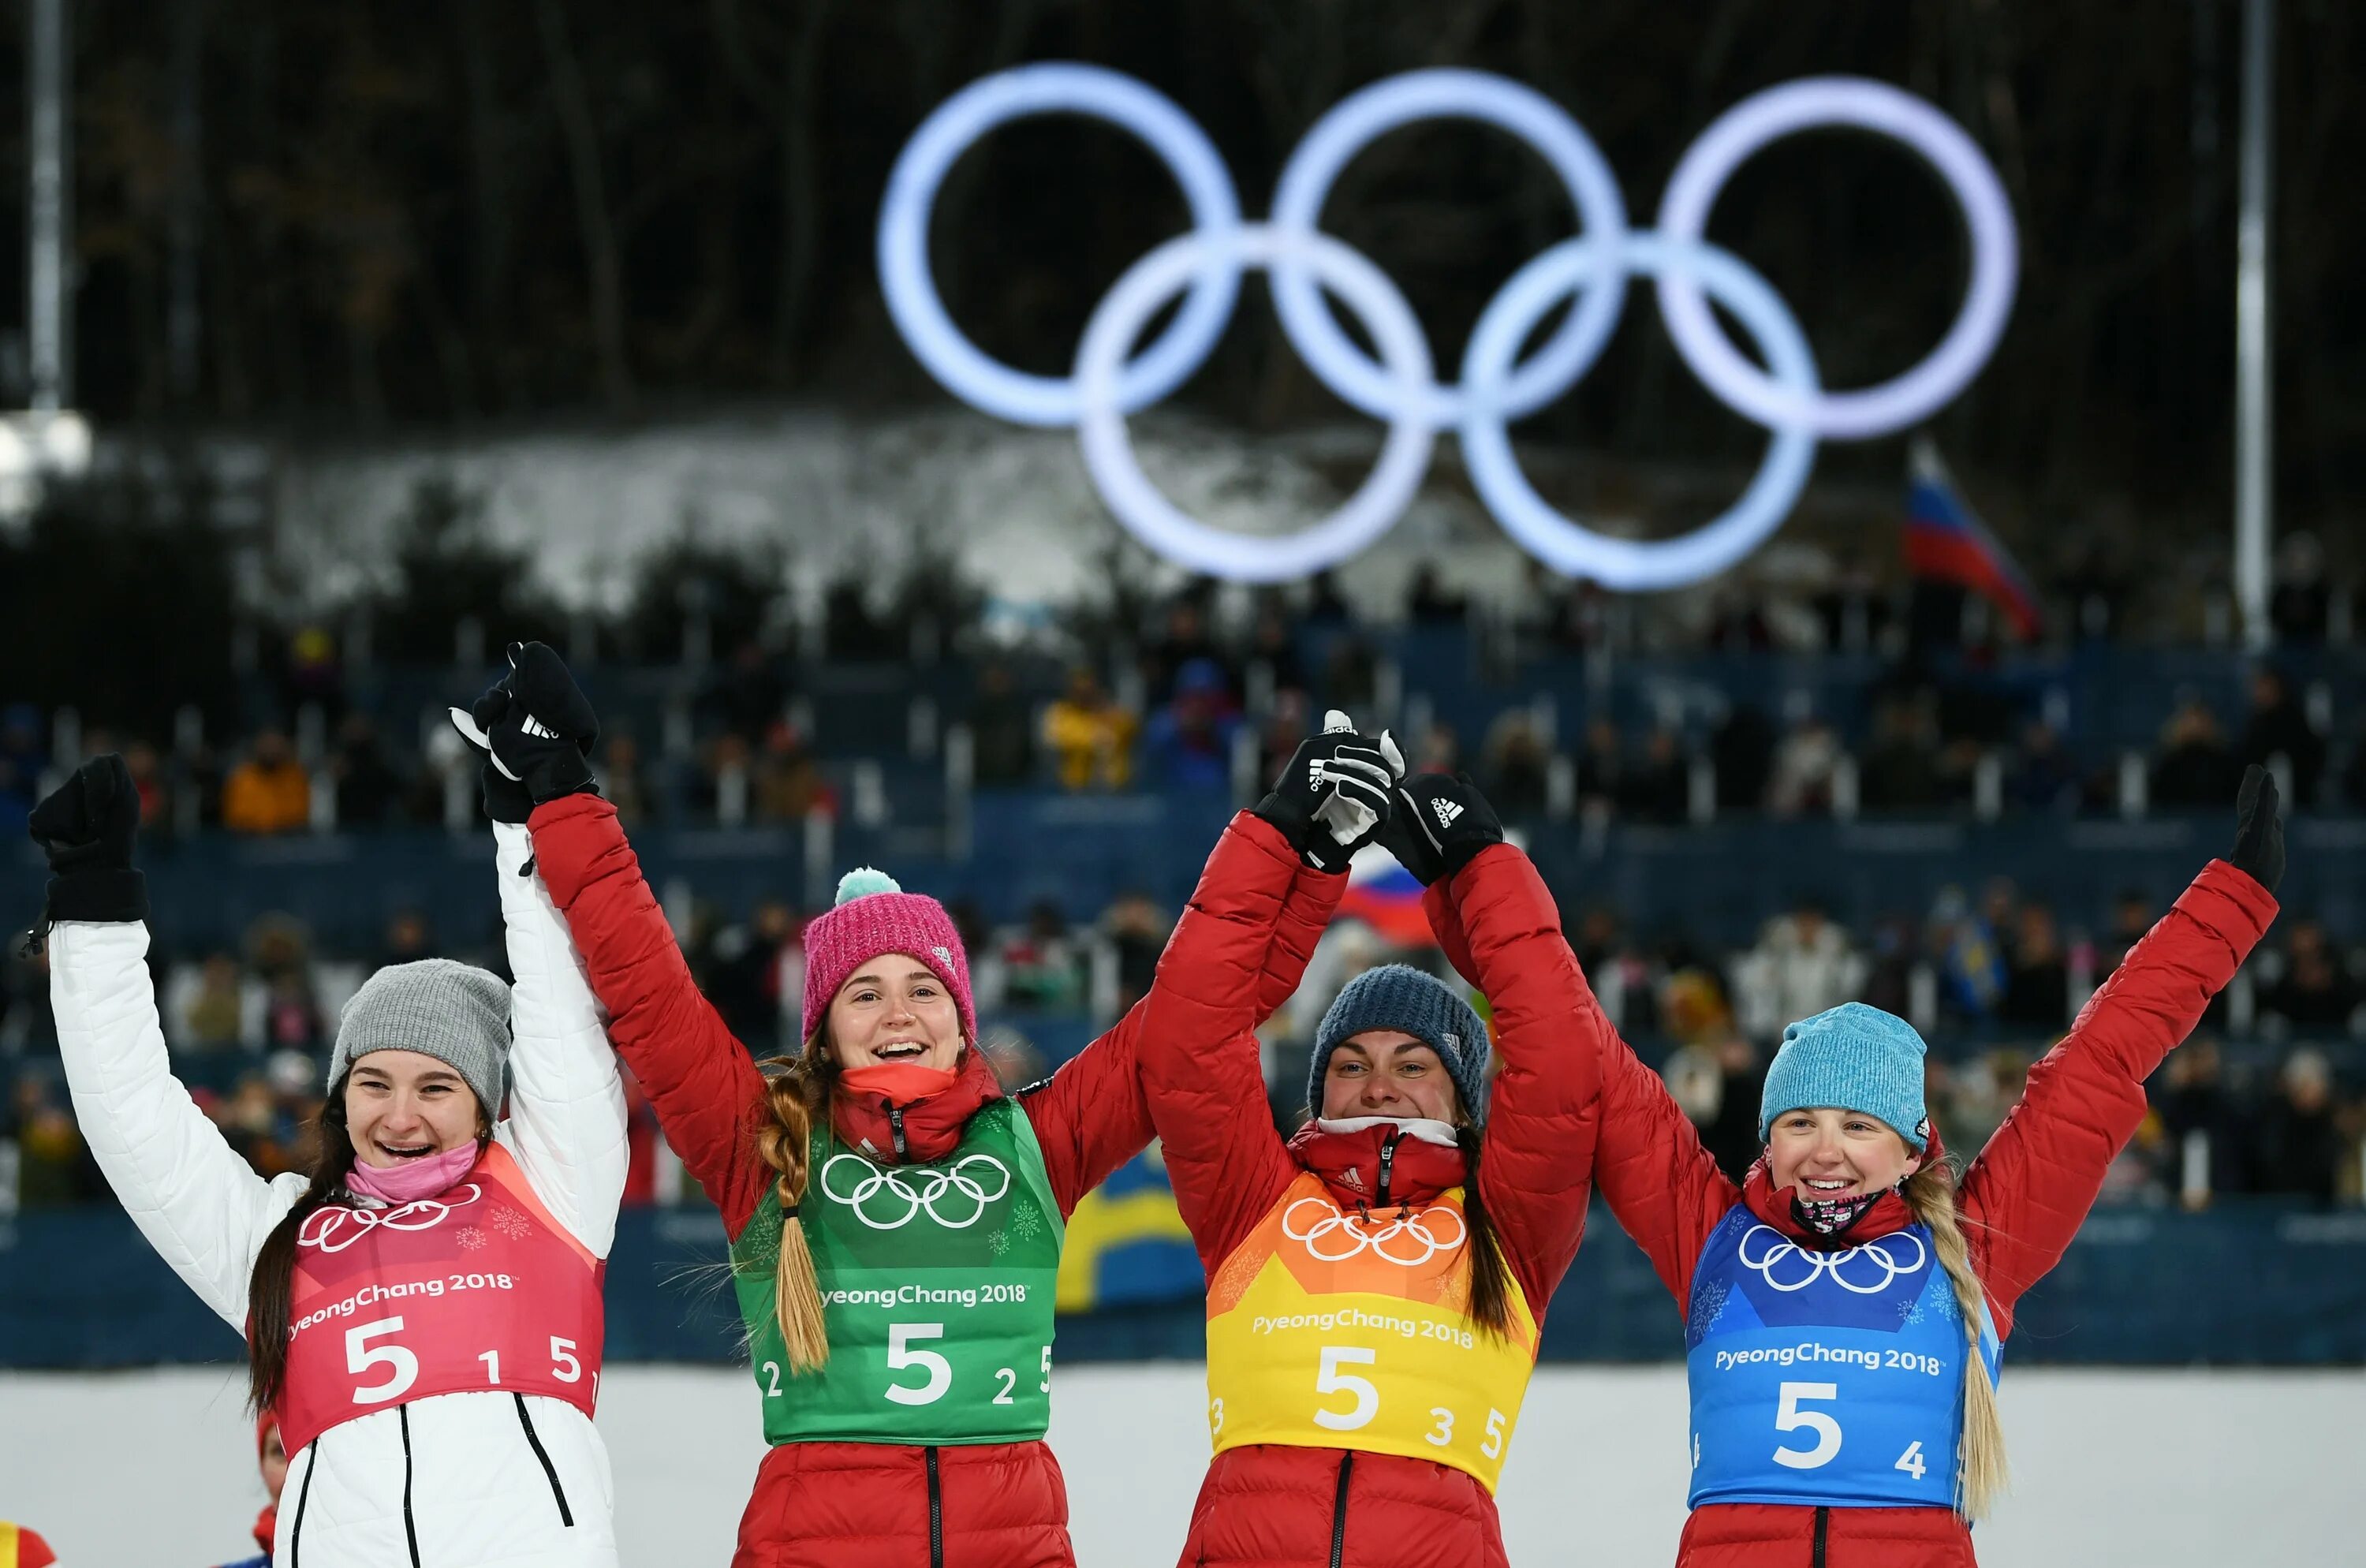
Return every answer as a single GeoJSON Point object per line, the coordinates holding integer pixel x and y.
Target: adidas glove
{"type": "Point", "coordinates": [536, 728]}
{"type": "Point", "coordinates": [1335, 794]}
{"type": "Point", "coordinates": [87, 826]}
{"type": "Point", "coordinates": [1440, 822]}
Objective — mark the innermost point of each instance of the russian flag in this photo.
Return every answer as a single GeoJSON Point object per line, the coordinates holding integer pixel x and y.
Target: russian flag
{"type": "Point", "coordinates": [1387, 898]}
{"type": "Point", "coordinates": [1945, 540]}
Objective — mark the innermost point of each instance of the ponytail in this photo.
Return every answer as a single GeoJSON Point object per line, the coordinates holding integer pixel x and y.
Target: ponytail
{"type": "Point", "coordinates": [798, 1090]}
{"type": "Point", "coordinates": [1980, 1471]}
{"type": "Point", "coordinates": [1491, 1295]}
{"type": "Point", "coordinates": [270, 1288]}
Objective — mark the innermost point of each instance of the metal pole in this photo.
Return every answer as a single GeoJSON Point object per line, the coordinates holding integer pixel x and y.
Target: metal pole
{"type": "Point", "coordinates": [2254, 495]}
{"type": "Point", "coordinates": [47, 197]}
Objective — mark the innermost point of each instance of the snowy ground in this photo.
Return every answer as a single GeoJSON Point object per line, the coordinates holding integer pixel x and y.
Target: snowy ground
{"type": "Point", "coordinates": [2165, 1469]}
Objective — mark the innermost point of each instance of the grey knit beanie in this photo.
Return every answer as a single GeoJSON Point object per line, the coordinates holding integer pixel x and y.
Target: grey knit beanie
{"type": "Point", "coordinates": [1398, 996]}
{"type": "Point", "coordinates": [455, 1012]}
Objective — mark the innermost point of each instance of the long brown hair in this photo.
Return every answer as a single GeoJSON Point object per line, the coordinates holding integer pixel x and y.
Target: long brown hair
{"type": "Point", "coordinates": [269, 1291]}
{"type": "Point", "coordinates": [1981, 1473]}
{"type": "Point", "coordinates": [798, 1089]}
{"type": "Point", "coordinates": [1491, 1285]}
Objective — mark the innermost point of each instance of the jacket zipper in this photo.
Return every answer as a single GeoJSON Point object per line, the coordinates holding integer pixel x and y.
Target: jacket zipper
{"type": "Point", "coordinates": [936, 1505]}
{"type": "Point", "coordinates": [303, 1495]}
{"type": "Point", "coordinates": [1339, 1509]}
{"type": "Point", "coordinates": [409, 1530]}
{"type": "Point", "coordinates": [895, 1127]}
{"type": "Point", "coordinates": [565, 1517]}
{"type": "Point", "coordinates": [1388, 1159]}
{"type": "Point", "coordinates": [1823, 1523]}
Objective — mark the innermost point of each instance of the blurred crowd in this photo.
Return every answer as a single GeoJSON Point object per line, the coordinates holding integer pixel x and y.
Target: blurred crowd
{"type": "Point", "coordinates": [2268, 1098]}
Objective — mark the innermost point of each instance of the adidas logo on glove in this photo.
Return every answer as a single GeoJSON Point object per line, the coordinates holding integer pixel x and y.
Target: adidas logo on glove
{"type": "Point", "coordinates": [1446, 811]}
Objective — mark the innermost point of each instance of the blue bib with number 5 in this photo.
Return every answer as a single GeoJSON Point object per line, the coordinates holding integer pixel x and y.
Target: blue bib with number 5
{"type": "Point", "coordinates": [1831, 1378]}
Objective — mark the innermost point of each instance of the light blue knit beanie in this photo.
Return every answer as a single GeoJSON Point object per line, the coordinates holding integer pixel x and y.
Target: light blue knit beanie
{"type": "Point", "coordinates": [1851, 1057]}
{"type": "Point", "coordinates": [1398, 996]}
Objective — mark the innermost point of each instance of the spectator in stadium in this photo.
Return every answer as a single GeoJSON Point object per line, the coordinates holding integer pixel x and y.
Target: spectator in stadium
{"type": "Point", "coordinates": [889, 1072]}
{"type": "Point", "coordinates": [1803, 964]}
{"type": "Point", "coordinates": [271, 1455]}
{"type": "Point", "coordinates": [1801, 780]}
{"type": "Point", "coordinates": [369, 791]}
{"type": "Point", "coordinates": [53, 1167]}
{"type": "Point", "coordinates": [1041, 970]}
{"type": "Point", "coordinates": [1490, 1186]}
{"type": "Point", "coordinates": [207, 1005]}
{"type": "Point", "coordinates": [2192, 1096]}
{"type": "Point", "coordinates": [2194, 770]}
{"type": "Point", "coordinates": [2037, 981]}
{"type": "Point", "coordinates": [269, 791]}
{"type": "Point", "coordinates": [1900, 768]}
{"type": "Point", "coordinates": [623, 781]}
{"type": "Point", "coordinates": [2277, 727]}
{"type": "Point", "coordinates": [1135, 927]}
{"type": "Point", "coordinates": [474, 1475]}
{"type": "Point", "coordinates": [1601, 765]}
{"type": "Point", "coordinates": [1514, 767]}
{"type": "Point", "coordinates": [1741, 750]}
{"type": "Point", "coordinates": [2042, 776]}
{"type": "Point", "coordinates": [1002, 729]}
{"type": "Point", "coordinates": [1189, 741]}
{"type": "Point", "coordinates": [1090, 735]}
{"type": "Point", "coordinates": [1853, 1173]}
{"type": "Point", "coordinates": [789, 785]}
{"type": "Point", "coordinates": [1658, 787]}
{"type": "Point", "coordinates": [2300, 1148]}
{"type": "Point", "coordinates": [2316, 991]}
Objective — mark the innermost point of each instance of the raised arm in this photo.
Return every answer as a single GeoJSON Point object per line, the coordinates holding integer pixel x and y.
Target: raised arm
{"type": "Point", "coordinates": [1093, 1114]}
{"type": "Point", "coordinates": [2031, 1188]}
{"type": "Point", "coordinates": [1200, 1062]}
{"type": "Point", "coordinates": [705, 1089]}
{"type": "Point", "coordinates": [199, 1204]}
{"type": "Point", "coordinates": [566, 1124]}
{"type": "Point", "coordinates": [1498, 926]}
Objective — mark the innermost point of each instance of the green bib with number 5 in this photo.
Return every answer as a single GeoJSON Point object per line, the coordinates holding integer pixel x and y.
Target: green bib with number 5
{"type": "Point", "coordinates": [936, 1287]}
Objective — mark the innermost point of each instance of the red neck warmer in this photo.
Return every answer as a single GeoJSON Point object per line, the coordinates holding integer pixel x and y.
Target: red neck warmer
{"type": "Point", "coordinates": [266, 1525]}
{"type": "Point", "coordinates": [1349, 1164]}
{"type": "Point", "coordinates": [1889, 1214]}
{"type": "Point", "coordinates": [929, 1106]}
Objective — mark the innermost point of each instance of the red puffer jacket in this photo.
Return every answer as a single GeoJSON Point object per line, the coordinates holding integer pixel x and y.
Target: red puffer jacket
{"type": "Point", "coordinates": [1276, 1506]}
{"type": "Point", "coordinates": [821, 1505]}
{"type": "Point", "coordinates": [2022, 1200]}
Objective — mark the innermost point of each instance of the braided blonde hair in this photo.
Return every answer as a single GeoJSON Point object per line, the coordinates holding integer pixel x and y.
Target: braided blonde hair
{"type": "Point", "coordinates": [1980, 1471]}
{"type": "Point", "coordinates": [797, 1090]}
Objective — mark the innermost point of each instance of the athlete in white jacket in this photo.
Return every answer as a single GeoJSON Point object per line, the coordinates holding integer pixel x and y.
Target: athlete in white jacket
{"type": "Point", "coordinates": [409, 1448]}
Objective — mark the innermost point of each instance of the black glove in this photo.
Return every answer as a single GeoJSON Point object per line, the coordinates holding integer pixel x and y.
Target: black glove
{"type": "Point", "coordinates": [1337, 782]}
{"type": "Point", "coordinates": [1440, 822]}
{"type": "Point", "coordinates": [538, 729]}
{"type": "Point", "coordinates": [87, 827]}
{"type": "Point", "coordinates": [2258, 849]}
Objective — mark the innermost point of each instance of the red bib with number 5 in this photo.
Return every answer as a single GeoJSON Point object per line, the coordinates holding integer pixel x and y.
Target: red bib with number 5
{"type": "Point", "coordinates": [1336, 1330]}
{"type": "Point", "coordinates": [477, 1290]}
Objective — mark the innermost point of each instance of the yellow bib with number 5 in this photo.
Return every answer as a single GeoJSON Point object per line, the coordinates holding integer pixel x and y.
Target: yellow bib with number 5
{"type": "Point", "coordinates": [1329, 1329]}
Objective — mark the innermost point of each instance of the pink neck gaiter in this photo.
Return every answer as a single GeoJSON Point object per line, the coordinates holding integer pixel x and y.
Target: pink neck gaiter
{"type": "Point", "coordinates": [413, 1180]}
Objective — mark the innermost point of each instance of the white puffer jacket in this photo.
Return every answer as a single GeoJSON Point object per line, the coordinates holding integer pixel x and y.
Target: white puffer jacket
{"type": "Point", "coordinates": [447, 1482]}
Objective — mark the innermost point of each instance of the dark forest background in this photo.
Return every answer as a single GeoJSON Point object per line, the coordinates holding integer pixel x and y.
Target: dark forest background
{"type": "Point", "coordinates": [444, 214]}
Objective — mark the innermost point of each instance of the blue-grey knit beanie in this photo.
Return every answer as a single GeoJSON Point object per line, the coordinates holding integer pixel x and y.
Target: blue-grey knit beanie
{"type": "Point", "coordinates": [1851, 1057]}
{"type": "Point", "coordinates": [1397, 996]}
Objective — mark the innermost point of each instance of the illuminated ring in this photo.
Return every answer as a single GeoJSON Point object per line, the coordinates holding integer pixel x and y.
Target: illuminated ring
{"type": "Point", "coordinates": [1765, 116]}
{"type": "Point", "coordinates": [910, 288]}
{"type": "Point", "coordinates": [1361, 119]}
{"type": "Point", "coordinates": [1575, 266]}
{"type": "Point", "coordinates": [420, 1214]}
{"type": "Point", "coordinates": [1159, 522]}
{"type": "Point", "coordinates": [1821, 1263]}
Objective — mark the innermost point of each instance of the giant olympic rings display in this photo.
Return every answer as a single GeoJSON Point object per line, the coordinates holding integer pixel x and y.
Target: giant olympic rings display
{"type": "Point", "coordinates": [327, 1228]}
{"type": "Point", "coordinates": [1364, 1234]}
{"type": "Point", "coordinates": [918, 1189]}
{"type": "Point", "coordinates": [1110, 380]}
{"type": "Point", "coordinates": [1776, 1257]}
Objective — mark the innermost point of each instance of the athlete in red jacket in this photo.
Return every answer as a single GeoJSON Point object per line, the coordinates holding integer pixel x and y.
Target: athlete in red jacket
{"type": "Point", "coordinates": [894, 1218]}
{"type": "Point", "coordinates": [1832, 1300]}
{"type": "Point", "coordinates": [1374, 1282]}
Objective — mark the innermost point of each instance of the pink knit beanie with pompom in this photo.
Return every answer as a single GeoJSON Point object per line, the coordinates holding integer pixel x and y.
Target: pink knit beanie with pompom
{"type": "Point", "coordinates": [874, 915]}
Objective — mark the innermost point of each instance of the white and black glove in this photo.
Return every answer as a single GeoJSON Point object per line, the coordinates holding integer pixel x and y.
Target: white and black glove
{"type": "Point", "coordinates": [1334, 796]}
{"type": "Point", "coordinates": [1441, 821]}
{"type": "Point", "coordinates": [536, 729]}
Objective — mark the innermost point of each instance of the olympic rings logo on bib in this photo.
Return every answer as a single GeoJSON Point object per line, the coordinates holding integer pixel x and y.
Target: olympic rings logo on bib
{"type": "Point", "coordinates": [326, 1229]}
{"type": "Point", "coordinates": [1362, 1234]}
{"type": "Point", "coordinates": [1204, 267]}
{"type": "Point", "coordinates": [1775, 1258]}
{"type": "Point", "coordinates": [918, 1191]}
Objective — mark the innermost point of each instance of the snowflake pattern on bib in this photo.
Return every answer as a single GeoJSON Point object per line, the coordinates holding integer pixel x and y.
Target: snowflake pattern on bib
{"type": "Point", "coordinates": [1708, 1306]}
